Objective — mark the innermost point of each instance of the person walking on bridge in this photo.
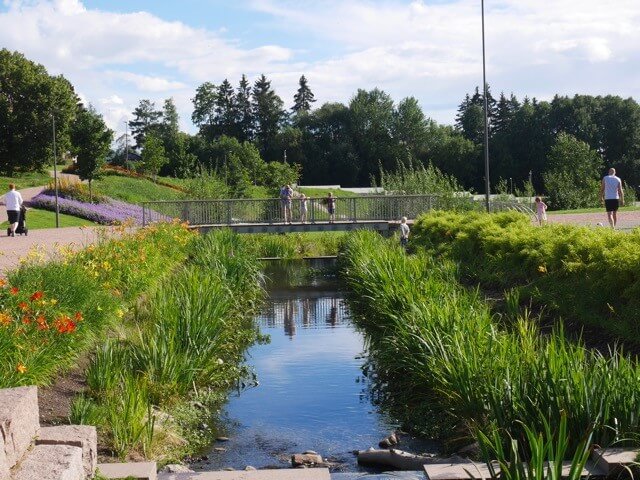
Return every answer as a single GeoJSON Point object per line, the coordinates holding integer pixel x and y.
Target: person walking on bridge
{"type": "Point", "coordinates": [612, 196]}
{"type": "Point", "coordinates": [13, 200]}
{"type": "Point", "coordinates": [404, 232]}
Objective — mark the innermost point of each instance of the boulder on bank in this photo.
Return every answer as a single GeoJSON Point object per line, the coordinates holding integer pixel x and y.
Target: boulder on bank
{"type": "Point", "coordinates": [306, 460]}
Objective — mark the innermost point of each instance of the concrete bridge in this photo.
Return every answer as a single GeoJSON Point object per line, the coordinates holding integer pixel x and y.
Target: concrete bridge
{"type": "Point", "coordinates": [375, 212]}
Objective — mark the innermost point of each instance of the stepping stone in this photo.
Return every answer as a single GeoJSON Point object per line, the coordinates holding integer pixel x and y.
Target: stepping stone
{"type": "Point", "coordinates": [51, 462]}
{"type": "Point", "coordinates": [138, 471]}
{"type": "Point", "coordinates": [456, 471]}
{"type": "Point", "coordinates": [613, 460]}
{"type": "Point", "coordinates": [280, 474]}
{"type": "Point", "coordinates": [83, 436]}
{"type": "Point", "coordinates": [19, 424]}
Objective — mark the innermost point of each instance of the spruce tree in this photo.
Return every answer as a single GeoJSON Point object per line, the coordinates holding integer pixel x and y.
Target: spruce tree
{"type": "Point", "coordinates": [304, 98]}
{"type": "Point", "coordinates": [244, 112]}
{"type": "Point", "coordinates": [269, 115]}
{"type": "Point", "coordinates": [225, 110]}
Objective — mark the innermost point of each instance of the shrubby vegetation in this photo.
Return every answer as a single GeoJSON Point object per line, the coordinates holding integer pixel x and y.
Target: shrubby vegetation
{"type": "Point", "coordinates": [586, 274]}
{"type": "Point", "coordinates": [451, 366]}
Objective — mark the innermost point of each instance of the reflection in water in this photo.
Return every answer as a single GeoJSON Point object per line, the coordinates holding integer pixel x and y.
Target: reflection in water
{"type": "Point", "coordinates": [306, 312]}
{"type": "Point", "coordinates": [312, 393]}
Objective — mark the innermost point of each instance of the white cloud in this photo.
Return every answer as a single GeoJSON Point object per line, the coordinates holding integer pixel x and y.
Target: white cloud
{"type": "Point", "coordinates": [430, 50]}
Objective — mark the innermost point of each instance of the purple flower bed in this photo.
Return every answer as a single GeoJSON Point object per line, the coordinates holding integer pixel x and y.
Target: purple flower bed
{"type": "Point", "coordinates": [108, 213]}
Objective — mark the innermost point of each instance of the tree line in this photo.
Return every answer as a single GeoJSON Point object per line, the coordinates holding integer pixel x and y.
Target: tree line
{"type": "Point", "coordinates": [247, 136]}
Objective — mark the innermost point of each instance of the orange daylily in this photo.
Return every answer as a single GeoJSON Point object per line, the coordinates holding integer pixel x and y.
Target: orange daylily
{"type": "Point", "coordinates": [21, 368]}
{"type": "Point", "coordinates": [36, 296]}
{"type": "Point", "coordinates": [14, 290]}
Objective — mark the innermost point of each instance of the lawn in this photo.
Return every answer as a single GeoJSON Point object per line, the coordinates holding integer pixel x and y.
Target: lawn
{"type": "Point", "coordinates": [37, 219]}
{"type": "Point", "coordinates": [135, 190]}
{"type": "Point", "coordinates": [25, 180]}
{"type": "Point", "coordinates": [323, 192]}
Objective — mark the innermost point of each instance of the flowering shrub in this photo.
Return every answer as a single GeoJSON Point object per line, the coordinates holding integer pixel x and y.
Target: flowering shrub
{"type": "Point", "coordinates": [107, 213]}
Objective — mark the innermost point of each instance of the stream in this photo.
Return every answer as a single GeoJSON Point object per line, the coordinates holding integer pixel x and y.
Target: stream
{"type": "Point", "coordinates": [311, 392]}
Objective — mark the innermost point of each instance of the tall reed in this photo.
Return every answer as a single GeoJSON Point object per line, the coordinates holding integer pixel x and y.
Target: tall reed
{"type": "Point", "coordinates": [440, 351]}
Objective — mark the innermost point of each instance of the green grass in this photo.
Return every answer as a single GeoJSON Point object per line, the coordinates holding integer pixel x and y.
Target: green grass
{"type": "Point", "coordinates": [25, 180]}
{"type": "Point", "coordinates": [323, 192]}
{"type": "Point", "coordinates": [38, 219]}
{"type": "Point", "coordinates": [134, 190]}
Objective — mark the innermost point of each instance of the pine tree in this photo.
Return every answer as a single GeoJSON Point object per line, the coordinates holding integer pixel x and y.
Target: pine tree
{"type": "Point", "coordinates": [146, 118]}
{"type": "Point", "coordinates": [304, 98]}
{"type": "Point", "coordinates": [268, 113]}
{"type": "Point", "coordinates": [244, 112]}
{"type": "Point", "coordinates": [225, 110]}
{"type": "Point", "coordinates": [170, 117]}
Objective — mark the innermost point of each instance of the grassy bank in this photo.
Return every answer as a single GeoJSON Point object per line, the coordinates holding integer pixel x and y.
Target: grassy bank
{"type": "Point", "coordinates": [590, 275]}
{"type": "Point", "coordinates": [155, 390]}
{"type": "Point", "coordinates": [452, 368]}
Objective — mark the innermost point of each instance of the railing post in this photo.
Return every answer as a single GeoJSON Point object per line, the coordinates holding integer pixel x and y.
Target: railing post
{"type": "Point", "coordinates": [313, 210]}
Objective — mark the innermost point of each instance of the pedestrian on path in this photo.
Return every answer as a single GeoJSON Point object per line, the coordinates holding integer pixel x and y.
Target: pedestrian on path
{"type": "Point", "coordinates": [331, 207]}
{"type": "Point", "coordinates": [541, 211]}
{"type": "Point", "coordinates": [13, 200]}
{"type": "Point", "coordinates": [612, 196]}
{"type": "Point", "coordinates": [404, 232]}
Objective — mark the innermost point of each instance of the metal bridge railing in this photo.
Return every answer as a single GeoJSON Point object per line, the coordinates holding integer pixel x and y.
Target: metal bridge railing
{"type": "Point", "coordinates": [271, 210]}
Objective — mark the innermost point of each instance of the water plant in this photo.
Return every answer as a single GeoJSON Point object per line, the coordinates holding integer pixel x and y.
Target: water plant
{"type": "Point", "coordinates": [439, 349]}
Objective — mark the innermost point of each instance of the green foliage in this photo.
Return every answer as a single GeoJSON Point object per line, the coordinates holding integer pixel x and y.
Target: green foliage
{"type": "Point", "coordinates": [440, 354]}
{"type": "Point", "coordinates": [28, 98]}
{"type": "Point", "coordinates": [589, 275]}
{"type": "Point", "coordinates": [91, 141]}
{"type": "Point", "coordinates": [135, 190]}
{"type": "Point", "coordinates": [153, 155]}
{"type": "Point", "coordinates": [573, 172]}
{"type": "Point", "coordinates": [187, 342]}
{"type": "Point", "coordinates": [303, 98]}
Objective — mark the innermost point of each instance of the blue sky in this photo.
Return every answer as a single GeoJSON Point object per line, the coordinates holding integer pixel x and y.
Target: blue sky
{"type": "Point", "coordinates": [117, 52]}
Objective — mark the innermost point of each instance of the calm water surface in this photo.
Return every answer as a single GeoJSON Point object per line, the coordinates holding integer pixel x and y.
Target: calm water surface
{"type": "Point", "coordinates": [312, 394]}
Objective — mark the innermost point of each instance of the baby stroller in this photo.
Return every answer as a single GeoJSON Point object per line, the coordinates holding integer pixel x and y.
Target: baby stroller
{"type": "Point", "coordinates": [21, 229]}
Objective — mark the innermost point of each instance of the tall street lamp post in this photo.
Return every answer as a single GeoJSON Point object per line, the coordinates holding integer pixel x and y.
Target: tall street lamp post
{"type": "Point", "coordinates": [486, 118]}
{"type": "Point", "coordinates": [55, 171]}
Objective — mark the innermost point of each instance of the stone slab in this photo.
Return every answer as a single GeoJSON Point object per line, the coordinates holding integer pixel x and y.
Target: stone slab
{"type": "Point", "coordinates": [456, 471]}
{"type": "Point", "coordinates": [83, 436]}
{"type": "Point", "coordinates": [19, 423]}
{"type": "Point", "coordinates": [139, 470]}
{"type": "Point", "coordinates": [613, 460]}
{"type": "Point", "coordinates": [51, 462]}
{"type": "Point", "coordinates": [281, 474]}
{"type": "Point", "coordinates": [465, 471]}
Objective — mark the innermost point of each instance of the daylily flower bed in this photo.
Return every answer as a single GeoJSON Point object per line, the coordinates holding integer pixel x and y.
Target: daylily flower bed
{"type": "Point", "coordinates": [107, 213]}
{"type": "Point", "coordinates": [52, 312]}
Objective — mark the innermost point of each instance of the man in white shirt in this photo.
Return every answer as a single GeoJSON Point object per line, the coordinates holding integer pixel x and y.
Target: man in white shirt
{"type": "Point", "coordinates": [13, 200]}
{"type": "Point", "coordinates": [612, 195]}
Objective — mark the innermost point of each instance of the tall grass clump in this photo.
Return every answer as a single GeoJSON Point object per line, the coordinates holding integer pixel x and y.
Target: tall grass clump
{"type": "Point", "coordinates": [439, 351]}
{"type": "Point", "coordinates": [591, 275]}
{"type": "Point", "coordinates": [187, 344]}
{"type": "Point", "coordinates": [426, 180]}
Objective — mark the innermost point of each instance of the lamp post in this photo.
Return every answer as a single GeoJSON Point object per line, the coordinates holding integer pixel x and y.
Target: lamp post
{"type": "Point", "coordinates": [486, 117]}
{"type": "Point", "coordinates": [55, 171]}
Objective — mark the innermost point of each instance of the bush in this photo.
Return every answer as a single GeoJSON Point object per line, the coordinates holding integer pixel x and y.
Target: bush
{"type": "Point", "coordinates": [591, 275]}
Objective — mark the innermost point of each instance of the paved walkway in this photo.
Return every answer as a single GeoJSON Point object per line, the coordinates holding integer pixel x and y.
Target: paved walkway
{"type": "Point", "coordinates": [46, 241]}
{"type": "Point", "coordinates": [626, 220]}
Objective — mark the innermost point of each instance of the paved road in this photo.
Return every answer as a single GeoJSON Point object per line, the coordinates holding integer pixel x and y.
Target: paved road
{"type": "Point", "coordinates": [46, 241]}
